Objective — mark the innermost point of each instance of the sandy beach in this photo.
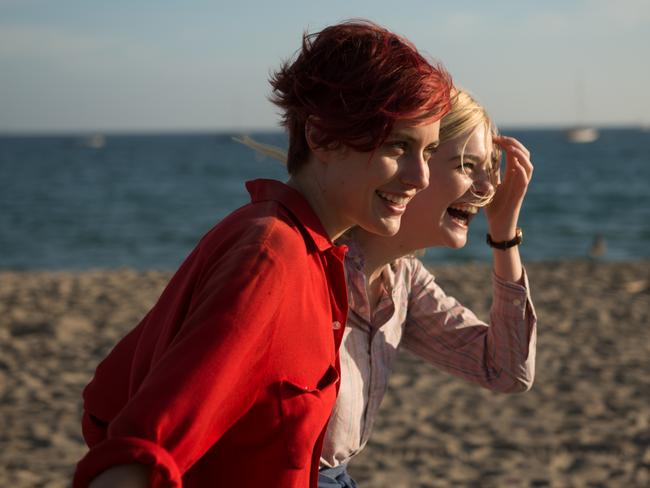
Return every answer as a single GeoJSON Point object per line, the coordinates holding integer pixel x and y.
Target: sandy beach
{"type": "Point", "coordinates": [586, 422]}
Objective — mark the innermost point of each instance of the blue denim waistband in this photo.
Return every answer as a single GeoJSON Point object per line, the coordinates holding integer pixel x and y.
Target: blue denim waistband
{"type": "Point", "coordinates": [337, 477]}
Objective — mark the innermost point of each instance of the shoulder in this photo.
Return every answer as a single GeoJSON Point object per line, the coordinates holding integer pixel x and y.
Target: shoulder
{"type": "Point", "coordinates": [267, 226]}
{"type": "Point", "coordinates": [410, 270]}
{"type": "Point", "coordinates": [256, 248]}
{"type": "Point", "coordinates": [259, 244]}
{"type": "Point", "coordinates": [416, 277]}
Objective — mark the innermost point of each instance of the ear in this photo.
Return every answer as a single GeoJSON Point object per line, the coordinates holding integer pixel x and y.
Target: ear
{"type": "Point", "coordinates": [322, 153]}
{"type": "Point", "coordinates": [312, 133]}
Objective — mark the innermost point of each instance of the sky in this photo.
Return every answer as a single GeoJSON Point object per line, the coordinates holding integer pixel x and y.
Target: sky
{"type": "Point", "coordinates": [161, 65]}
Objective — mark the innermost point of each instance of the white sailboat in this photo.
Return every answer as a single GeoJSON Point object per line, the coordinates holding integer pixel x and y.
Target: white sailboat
{"type": "Point", "coordinates": [581, 133]}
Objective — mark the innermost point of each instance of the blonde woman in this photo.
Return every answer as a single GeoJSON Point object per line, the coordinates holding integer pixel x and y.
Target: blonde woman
{"type": "Point", "coordinates": [395, 302]}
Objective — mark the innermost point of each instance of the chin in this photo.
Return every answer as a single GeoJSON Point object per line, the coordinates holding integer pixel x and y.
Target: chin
{"type": "Point", "coordinates": [454, 242]}
{"type": "Point", "coordinates": [386, 229]}
{"type": "Point", "coordinates": [456, 245]}
{"type": "Point", "coordinates": [441, 236]}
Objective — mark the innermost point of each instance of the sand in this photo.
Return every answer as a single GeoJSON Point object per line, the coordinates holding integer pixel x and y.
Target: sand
{"type": "Point", "coordinates": [586, 422]}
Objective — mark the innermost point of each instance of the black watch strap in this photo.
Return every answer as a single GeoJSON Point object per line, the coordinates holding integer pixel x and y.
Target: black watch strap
{"type": "Point", "coordinates": [503, 245]}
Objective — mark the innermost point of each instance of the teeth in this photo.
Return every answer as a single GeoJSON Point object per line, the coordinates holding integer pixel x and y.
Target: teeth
{"type": "Point", "coordinates": [466, 207]}
{"type": "Point", "coordinates": [399, 200]}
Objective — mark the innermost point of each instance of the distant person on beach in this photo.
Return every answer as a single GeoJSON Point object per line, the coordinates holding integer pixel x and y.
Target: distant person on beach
{"type": "Point", "coordinates": [395, 302]}
{"type": "Point", "coordinates": [231, 377]}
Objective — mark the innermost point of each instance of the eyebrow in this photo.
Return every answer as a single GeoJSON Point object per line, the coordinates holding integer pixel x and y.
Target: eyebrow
{"type": "Point", "coordinates": [470, 157]}
{"type": "Point", "coordinates": [411, 139]}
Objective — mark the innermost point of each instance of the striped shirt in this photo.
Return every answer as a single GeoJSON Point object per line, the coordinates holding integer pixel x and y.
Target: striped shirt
{"type": "Point", "coordinates": [415, 313]}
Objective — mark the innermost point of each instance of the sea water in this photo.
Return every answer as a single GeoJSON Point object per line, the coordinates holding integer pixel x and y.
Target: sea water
{"type": "Point", "coordinates": [143, 201]}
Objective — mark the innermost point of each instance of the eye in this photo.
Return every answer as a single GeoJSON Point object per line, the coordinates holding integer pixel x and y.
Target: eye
{"type": "Point", "coordinates": [429, 151]}
{"type": "Point", "coordinates": [396, 148]}
{"type": "Point", "coordinates": [465, 166]}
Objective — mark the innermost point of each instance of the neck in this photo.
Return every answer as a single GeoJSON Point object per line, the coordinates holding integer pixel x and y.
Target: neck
{"type": "Point", "coordinates": [378, 251]}
{"type": "Point", "coordinates": [309, 187]}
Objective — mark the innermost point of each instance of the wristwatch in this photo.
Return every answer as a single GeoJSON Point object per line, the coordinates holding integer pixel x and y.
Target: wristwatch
{"type": "Point", "coordinates": [503, 245]}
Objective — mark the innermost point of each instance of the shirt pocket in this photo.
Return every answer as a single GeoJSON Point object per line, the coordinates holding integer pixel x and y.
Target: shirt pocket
{"type": "Point", "coordinates": [305, 411]}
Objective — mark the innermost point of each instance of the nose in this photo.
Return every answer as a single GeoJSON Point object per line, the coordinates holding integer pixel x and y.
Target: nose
{"type": "Point", "coordinates": [482, 184]}
{"type": "Point", "coordinates": [415, 172]}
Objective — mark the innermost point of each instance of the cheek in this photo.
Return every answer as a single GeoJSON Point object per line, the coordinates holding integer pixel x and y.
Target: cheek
{"type": "Point", "coordinates": [443, 192]}
{"type": "Point", "coordinates": [383, 168]}
{"type": "Point", "coordinates": [419, 207]}
{"type": "Point", "coordinates": [458, 185]}
{"type": "Point", "coordinates": [425, 209]}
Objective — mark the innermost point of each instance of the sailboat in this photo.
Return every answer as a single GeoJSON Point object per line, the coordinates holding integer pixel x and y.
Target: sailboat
{"type": "Point", "coordinates": [581, 133]}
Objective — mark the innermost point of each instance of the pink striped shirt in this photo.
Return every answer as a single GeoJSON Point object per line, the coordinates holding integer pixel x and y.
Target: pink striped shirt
{"type": "Point", "coordinates": [415, 313]}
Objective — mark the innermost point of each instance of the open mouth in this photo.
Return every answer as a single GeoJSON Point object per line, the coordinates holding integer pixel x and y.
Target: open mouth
{"type": "Point", "coordinates": [462, 214]}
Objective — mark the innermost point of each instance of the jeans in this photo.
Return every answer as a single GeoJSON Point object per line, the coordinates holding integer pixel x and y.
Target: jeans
{"type": "Point", "coordinates": [335, 478]}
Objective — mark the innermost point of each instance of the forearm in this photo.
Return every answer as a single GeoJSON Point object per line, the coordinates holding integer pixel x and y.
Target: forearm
{"type": "Point", "coordinates": [498, 356]}
{"type": "Point", "coordinates": [503, 212]}
{"type": "Point", "coordinates": [513, 332]}
{"type": "Point", "coordinates": [507, 263]}
{"type": "Point", "coordinates": [123, 476]}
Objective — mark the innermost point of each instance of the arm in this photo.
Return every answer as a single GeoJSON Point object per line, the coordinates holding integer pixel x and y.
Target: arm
{"type": "Point", "coordinates": [124, 476]}
{"type": "Point", "coordinates": [206, 379]}
{"type": "Point", "coordinates": [500, 356]}
{"type": "Point", "coordinates": [503, 212]}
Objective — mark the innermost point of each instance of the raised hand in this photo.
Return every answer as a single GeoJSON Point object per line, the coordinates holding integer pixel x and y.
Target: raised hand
{"type": "Point", "coordinates": [503, 212]}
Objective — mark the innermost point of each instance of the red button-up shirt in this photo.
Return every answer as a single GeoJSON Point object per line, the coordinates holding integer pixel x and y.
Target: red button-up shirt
{"type": "Point", "coordinates": [230, 378]}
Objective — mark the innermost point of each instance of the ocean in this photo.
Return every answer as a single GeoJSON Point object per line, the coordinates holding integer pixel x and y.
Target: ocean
{"type": "Point", "coordinates": [143, 201]}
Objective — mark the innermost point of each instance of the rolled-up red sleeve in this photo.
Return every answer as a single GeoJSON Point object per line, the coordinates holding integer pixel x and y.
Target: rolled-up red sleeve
{"type": "Point", "coordinates": [127, 450]}
{"type": "Point", "coordinates": [205, 373]}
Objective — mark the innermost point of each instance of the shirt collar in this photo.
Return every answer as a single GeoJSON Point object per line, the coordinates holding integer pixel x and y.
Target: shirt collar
{"type": "Point", "coordinates": [356, 266]}
{"type": "Point", "coordinates": [356, 280]}
{"type": "Point", "coordinates": [354, 255]}
{"type": "Point", "coordinates": [262, 190]}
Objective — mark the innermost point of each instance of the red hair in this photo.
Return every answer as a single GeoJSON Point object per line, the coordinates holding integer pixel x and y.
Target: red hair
{"type": "Point", "coordinates": [353, 81]}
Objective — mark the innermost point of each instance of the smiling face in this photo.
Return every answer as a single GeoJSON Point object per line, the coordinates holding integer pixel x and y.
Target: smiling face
{"type": "Point", "coordinates": [440, 214]}
{"type": "Point", "coordinates": [372, 190]}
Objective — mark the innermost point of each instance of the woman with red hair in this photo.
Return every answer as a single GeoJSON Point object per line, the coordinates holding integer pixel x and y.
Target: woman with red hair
{"type": "Point", "coordinates": [230, 378]}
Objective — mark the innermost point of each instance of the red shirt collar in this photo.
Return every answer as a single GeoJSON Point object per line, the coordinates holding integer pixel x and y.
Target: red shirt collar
{"type": "Point", "coordinates": [263, 190]}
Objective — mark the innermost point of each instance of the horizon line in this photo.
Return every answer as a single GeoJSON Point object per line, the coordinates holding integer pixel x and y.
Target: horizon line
{"type": "Point", "coordinates": [265, 130]}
